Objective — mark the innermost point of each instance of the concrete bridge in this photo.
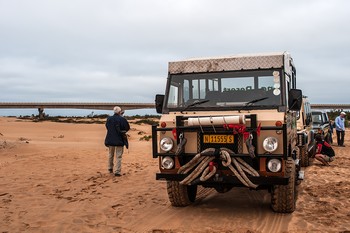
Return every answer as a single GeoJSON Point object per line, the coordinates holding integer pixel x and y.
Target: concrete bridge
{"type": "Point", "coordinates": [96, 106]}
{"type": "Point", "coordinates": [109, 106]}
{"type": "Point", "coordinates": [331, 106]}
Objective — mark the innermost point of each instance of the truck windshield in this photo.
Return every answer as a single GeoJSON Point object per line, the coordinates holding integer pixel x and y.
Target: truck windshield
{"type": "Point", "coordinates": [316, 118]}
{"type": "Point", "coordinates": [225, 90]}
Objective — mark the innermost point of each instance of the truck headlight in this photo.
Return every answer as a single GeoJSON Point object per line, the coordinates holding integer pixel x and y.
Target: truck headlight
{"type": "Point", "coordinates": [167, 162]}
{"type": "Point", "coordinates": [166, 144]}
{"type": "Point", "coordinates": [270, 144]}
{"type": "Point", "coordinates": [274, 165]}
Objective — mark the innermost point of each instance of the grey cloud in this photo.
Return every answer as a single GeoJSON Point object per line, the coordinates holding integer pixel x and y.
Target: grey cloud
{"type": "Point", "coordinates": [118, 50]}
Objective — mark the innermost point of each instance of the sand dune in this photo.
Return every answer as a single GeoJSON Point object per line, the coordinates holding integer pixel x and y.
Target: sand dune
{"type": "Point", "coordinates": [53, 178]}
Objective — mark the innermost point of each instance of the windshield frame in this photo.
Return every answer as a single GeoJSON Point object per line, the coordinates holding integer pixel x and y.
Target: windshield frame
{"type": "Point", "coordinates": [223, 75]}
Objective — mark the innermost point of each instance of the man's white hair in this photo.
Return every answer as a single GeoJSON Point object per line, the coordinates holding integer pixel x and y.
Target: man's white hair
{"type": "Point", "coordinates": [117, 109]}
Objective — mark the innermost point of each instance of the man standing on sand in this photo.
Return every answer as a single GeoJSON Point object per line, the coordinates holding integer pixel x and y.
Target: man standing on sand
{"type": "Point", "coordinates": [116, 126]}
{"type": "Point", "coordinates": [340, 128]}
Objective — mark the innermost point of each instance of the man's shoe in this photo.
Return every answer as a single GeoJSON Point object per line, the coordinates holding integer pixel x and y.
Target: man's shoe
{"type": "Point", "coordinates": [110, 170]}
{"type": "Point", "coordinates": [117, 174]}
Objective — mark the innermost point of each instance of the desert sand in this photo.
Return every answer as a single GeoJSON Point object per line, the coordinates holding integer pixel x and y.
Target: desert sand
{"type": "Point", "coordinates": [53, 178]}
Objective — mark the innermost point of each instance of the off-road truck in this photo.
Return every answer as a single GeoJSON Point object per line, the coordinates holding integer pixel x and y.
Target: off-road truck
{"type": "Point", "coordinates": [229, 122]}
{"type": "Point", "coordinates": [306, 135]}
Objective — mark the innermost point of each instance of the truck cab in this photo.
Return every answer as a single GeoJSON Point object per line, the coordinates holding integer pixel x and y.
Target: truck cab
{"type": "Point", "coordinates": [229, 122]}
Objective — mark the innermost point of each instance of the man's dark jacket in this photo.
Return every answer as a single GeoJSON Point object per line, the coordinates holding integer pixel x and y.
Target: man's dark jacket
{"type": "Point", "coordinates": [116, 126]}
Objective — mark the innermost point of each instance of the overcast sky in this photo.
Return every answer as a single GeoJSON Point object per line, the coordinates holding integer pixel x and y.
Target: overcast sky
{"type": "Point", "coordinates": [118, 50]}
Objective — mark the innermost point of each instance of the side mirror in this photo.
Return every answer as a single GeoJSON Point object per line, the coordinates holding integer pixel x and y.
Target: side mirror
{"type": "Point", "coordinates": [159, 103]}
{"type": "Point", "coordinates": [295, 99]}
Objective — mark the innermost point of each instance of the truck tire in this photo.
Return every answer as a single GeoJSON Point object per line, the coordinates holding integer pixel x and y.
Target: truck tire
{"type": "Point", "coordinates": [283, 197]}
{"type": "Point", "coordinates": [181, 195]}
{"type": "Point", "coordinates": [304, 157]}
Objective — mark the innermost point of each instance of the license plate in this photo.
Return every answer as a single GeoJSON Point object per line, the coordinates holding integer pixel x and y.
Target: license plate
{"type": "Point", "coordinates": [212, 138]}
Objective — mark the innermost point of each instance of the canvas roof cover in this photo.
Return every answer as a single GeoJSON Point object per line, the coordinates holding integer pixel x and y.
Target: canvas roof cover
{"type": "Point", "coordinates": [228, 63]}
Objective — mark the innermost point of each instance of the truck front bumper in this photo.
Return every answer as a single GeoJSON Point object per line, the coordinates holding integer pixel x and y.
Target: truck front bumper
{"type": "Point", "coordinates": [231, 180]}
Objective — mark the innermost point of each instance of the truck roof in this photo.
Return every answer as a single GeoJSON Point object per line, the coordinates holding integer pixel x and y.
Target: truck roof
{"type": "Point", "coordinates": [229, 63]}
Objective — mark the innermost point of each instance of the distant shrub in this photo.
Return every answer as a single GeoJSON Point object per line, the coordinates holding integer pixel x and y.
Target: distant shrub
{"type": "Point", "coordinates": [146, 138]}
{"type": "Point", "coordinates": [101, 116]}
{"type": "Point", "coordinates": [23, 139]}
{"type": "Point", "coordinates": [146, 121]}
{"type": "Point", "coordinates": [92, 119]}
{"type": "Point", "coordinates": [142, 117]}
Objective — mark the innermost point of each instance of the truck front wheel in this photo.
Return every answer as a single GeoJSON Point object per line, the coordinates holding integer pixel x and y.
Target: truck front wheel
{"type": "Point", "coordinates": [181, 195]}
{"type": "Point", "coordinates": [283, 197]}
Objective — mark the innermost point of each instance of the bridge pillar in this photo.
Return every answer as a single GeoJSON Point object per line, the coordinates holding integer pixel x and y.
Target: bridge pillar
{"type": "Point", "coordinates": [41, 113]}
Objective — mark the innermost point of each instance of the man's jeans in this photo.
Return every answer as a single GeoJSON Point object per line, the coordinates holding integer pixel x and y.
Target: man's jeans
{"type": "Point", "coordinates": [118, 152]}
{"type": "Point", "coordinates": [340, 137]}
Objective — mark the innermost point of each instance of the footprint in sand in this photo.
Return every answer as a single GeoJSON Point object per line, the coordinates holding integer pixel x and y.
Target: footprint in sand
{"type": "Point", "coordinates": [116, 206]}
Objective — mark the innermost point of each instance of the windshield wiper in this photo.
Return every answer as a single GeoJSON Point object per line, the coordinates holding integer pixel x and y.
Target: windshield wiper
{"type": "Point", "coordinates": [196, 102]}
{"type": "Point", "coordinates": [252, 102]}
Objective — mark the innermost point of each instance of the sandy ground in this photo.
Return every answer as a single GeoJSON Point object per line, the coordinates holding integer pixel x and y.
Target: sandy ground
{"type": "Point", "coordinates": [53, 178]}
